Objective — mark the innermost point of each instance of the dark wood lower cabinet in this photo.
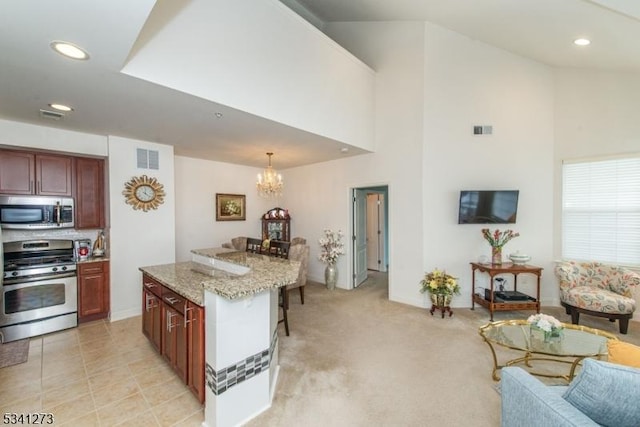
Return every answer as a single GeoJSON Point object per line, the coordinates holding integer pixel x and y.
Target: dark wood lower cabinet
{"type": "Point", "coordinates": [175, 328]}
{"type": "Point", "coordinates": [194, 317]}
{"type": "Point", "coordinates": [152, 318]}
{"type": "Point", "coordinates": [93, 291]}
{"type": "Point", "coordinates": [175, 341]}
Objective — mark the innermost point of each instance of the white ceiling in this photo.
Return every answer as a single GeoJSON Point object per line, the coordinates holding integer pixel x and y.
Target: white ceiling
{"type": "Point", "coordinates": [108, 102]}
{"type": "Point", "coordinates": [543, 30]}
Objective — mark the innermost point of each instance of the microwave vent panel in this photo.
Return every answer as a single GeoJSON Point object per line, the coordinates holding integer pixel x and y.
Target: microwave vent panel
{"type": "Point", "coordinates": [148, 159]}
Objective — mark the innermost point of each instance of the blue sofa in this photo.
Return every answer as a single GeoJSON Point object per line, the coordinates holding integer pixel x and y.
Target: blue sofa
{"type": "Point", "coordinates": [601, 394]}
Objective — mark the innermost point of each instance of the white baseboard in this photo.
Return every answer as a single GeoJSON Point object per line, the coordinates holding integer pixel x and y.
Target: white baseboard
{"type": "Point", "coordinates": [125, 314]}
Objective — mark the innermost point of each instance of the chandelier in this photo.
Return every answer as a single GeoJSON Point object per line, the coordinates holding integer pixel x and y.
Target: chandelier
{"type": "Point", "coordinates": [269, 182]}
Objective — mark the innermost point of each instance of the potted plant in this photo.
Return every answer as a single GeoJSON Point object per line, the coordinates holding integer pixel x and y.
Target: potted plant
{"type": "Point", "coordinates": [545, 326]}
{"type": "Point", "coordinates": [497, 240]}
{"type": "Point", "coordinates": [331, 247]}
{"type": "Point", "coordinates": [441, 287]}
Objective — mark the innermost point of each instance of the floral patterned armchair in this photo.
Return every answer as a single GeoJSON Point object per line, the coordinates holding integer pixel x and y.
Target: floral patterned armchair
{"type": "Point", "coordinates": [597, 289]}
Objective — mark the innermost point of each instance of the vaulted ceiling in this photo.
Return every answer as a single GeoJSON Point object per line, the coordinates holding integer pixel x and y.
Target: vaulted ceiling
{"type": "Point", "coordinates": [108, 102]}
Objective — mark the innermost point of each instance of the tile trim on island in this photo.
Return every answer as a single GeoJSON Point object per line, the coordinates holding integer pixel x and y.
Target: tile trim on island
{"type": "Point", "coordinates": [222, 380]}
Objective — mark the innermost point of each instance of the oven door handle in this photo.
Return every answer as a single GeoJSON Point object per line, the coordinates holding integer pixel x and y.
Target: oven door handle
{"type": "Point", "coordinates": [19, 280]}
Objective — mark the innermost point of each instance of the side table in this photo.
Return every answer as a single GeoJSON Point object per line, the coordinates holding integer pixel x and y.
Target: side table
{"type": "Point", "coordinates": [497, 304]}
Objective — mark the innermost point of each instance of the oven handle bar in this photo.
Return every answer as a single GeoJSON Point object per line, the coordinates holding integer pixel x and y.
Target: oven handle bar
{"type": "Point", "coordinates": [38, 278]}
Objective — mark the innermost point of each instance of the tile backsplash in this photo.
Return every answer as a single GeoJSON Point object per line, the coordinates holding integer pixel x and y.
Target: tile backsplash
{"type": "Point", "coordinates": [64, 233]}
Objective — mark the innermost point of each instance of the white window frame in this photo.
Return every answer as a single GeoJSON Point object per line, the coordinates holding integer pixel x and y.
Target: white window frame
{"type": "Point", "coordinates": [601, 210]}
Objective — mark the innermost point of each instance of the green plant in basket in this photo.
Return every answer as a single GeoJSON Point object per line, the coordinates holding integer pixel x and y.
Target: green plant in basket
{"type": "Point", "coordinates": [438, 282]}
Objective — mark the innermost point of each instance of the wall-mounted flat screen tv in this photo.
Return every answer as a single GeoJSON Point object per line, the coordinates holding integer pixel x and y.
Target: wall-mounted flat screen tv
{"type": "Point", "coordinates": [488, 207]}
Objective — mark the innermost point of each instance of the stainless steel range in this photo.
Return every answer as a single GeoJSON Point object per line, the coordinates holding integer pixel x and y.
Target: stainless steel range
{"type": "Point", "coordinates": [39, 290]}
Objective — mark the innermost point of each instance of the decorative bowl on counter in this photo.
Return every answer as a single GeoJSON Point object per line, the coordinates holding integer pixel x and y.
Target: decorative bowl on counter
{"type": "Point", "coordinates": [519, 258]}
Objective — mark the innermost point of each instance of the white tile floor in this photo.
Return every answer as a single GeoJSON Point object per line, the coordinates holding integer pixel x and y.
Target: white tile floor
{"type": "Point", "coordinates": [99, 374]}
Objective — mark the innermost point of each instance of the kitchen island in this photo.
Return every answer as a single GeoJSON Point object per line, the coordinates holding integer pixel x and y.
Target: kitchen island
{"type": "Point", "coordinates": [237, 296]}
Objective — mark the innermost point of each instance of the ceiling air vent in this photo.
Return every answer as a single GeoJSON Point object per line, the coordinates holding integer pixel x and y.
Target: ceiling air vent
{"type": "Point", "coordinates": [54, 115]}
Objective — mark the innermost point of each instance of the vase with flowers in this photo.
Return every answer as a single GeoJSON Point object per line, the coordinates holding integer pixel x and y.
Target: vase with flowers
{"type": "Point", "coordinates": [497, 239]}
{"type": "Point", "coordinates": [545, 327]}
{"type": "Point", "coordinates": [441, 287]}
{"type": "Point", "coordinates": [331, 247]}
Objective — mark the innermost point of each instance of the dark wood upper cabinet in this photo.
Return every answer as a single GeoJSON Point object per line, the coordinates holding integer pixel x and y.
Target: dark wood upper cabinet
{"type": "Point", "coordinates": [31, 173]}
{"type": "Point", "coordinates": [54, 175]}
{"type": "Point", "coordinates": [17, 172]}
{"type": "Point", "coordinates": [89, 193]}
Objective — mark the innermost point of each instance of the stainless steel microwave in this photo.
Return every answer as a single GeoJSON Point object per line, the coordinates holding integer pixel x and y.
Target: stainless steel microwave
{"type": "Point", "coordinates": [36, 212]}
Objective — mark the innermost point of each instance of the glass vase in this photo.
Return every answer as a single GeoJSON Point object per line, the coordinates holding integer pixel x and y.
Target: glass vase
{"type": "Point", "coordinates": [331, 276]}
{"type": "Point", "coordinates": [554, 335]}
{"type": "Point", "coordinates": [496, 255]}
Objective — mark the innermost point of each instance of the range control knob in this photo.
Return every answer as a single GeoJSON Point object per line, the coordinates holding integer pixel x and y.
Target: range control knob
{"type": "Point", "coordinates": [14, 273]}
{"type": "Point", "coordinates": [54, 269]}
{"type": "Point", "coordinates": [64, 268]}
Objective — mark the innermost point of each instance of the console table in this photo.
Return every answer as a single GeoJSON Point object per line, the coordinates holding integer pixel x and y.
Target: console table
{"type": "Point", "coordinates": [497, 304]}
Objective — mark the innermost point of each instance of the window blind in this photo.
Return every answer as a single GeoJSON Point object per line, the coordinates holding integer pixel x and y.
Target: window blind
{"type": "Point", "coordinates": [601, 210]}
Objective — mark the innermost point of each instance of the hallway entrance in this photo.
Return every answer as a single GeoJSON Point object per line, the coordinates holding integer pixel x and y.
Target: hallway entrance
{"type": "Point", "coordinates": [370, 231]}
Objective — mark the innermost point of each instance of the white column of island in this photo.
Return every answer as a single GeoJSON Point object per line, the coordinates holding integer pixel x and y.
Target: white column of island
{"type": "Point", "coordinates": [240, 297]}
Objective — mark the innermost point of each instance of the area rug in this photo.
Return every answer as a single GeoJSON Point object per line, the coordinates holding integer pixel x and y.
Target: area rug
{"type": "Point", "coordinates": [13, 353]}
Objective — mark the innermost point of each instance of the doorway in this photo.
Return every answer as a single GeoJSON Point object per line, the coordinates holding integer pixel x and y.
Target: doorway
{"type": "Point", "coordinates": [370, 232]}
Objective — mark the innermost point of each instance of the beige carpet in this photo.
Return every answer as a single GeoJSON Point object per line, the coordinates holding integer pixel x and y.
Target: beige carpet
{"type": "Point", "coordinates": [356, 359]}
{"type": "Point", "coordinates": [13, 353]}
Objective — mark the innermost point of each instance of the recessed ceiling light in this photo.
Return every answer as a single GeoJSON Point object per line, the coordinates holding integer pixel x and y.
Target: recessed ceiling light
{"type": "Point", "coordinates": [218, 115]}
{"type": "Point", "coordinates": [582, 42]}
{"type": "Point", "coordinates": [61, 107]}
{"type": "Point", "coordinates": [69, 50]}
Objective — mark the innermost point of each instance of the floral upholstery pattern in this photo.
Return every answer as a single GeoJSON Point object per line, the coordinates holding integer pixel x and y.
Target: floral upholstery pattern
{"type": "Point", "coordinates": [597, 287]}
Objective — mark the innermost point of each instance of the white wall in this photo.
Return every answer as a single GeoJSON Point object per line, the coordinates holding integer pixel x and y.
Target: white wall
{"type": "Point", "coordinates": [319, 195]}
{"type": "Point", "coordinates": [137, 238]}
{"type": "Point", "coordinates": [197, 182]}
{"type": "Point", "coordinates": [467, 83]}
{"type": "Point", "coordinates": [47, 138]}
{"type": "Point", "coordinates": [596, 115]}
{"type": "Point", "coordinates": [247, 54]}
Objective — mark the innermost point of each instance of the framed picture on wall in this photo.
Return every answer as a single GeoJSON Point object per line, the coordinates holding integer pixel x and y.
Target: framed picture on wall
{"type": "Point", "coordinates": [230, 207]}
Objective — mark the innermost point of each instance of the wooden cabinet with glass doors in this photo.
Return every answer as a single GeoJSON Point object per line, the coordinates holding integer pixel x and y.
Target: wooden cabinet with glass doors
{"type": "Point", "coordinates": [276, 225]}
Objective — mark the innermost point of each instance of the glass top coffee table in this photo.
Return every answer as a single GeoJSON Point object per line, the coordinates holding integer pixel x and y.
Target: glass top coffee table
{"type": "Point", "coordinates": [575, 344]}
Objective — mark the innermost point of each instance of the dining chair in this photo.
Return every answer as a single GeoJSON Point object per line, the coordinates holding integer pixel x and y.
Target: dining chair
{"type": "Point", "coordinates": [279, 249]}
{"type": "Point", "coordinates": [254, 245]}
{"type": "Point", "coordinates": [299, 252]}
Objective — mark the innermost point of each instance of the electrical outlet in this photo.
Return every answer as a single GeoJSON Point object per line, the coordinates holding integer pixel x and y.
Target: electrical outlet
{"type": "Point", "coordinates": [487, 130]}
{"type": "Point", "coordinates": [477, 130]}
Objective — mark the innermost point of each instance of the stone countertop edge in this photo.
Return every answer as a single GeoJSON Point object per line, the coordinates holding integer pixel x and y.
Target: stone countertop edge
{"type": "Point", "coordinates": [184, 280]}
{"type": "Point", "coordinates": [92, 259]}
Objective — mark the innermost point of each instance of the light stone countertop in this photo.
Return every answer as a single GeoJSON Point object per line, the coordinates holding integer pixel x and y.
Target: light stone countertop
{"type": "Point", "coordinates": [190, 279]}
{"type": "Point", "coordinates": [92, 259]}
